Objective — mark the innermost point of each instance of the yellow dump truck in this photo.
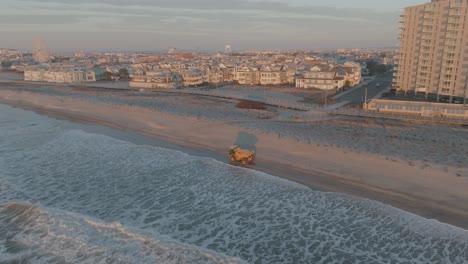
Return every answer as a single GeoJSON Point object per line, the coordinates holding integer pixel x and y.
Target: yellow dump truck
{"type": "Point", "coordinates": [239, 154]}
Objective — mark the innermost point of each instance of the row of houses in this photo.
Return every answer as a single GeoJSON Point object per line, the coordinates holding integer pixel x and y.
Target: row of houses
{"type": "Point", "coordinates": [169, 79]}
{"type": "Point", "coordinates": [175, 77]}
{"type": "Point", "coordinates": [320, 76]}
{"type": "Point", "coordinates": [323, 76]}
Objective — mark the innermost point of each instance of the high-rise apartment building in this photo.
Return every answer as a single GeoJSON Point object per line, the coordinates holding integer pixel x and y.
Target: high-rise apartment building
{"type": "Point", "coordinates": [433, 57]}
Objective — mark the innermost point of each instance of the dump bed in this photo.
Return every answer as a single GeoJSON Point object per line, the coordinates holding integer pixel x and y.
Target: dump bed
{"type": "Point", "coordinates": [240, 152]}
{"type": "Point", "coordinates": [244, 152]}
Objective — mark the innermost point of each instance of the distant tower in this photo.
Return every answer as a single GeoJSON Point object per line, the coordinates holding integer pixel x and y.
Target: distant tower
{"type": "Point", "coordinates": [40, 50]}
{"type": "Point", "coordinates": [172, 51]}
{"type": "Point", "coordinates": [227, 49]}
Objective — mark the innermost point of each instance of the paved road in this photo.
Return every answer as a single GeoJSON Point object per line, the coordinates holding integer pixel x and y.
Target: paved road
{"type": "Point", "coordinates": [357, 96]}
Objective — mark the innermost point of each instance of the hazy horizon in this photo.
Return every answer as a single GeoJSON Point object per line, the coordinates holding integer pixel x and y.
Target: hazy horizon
{"type": "Point", "coordinates": [205, 25]}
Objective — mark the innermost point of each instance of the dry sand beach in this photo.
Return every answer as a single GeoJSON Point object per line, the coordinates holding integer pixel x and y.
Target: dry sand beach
{"type": "Point", "coordinates": [419, 168]}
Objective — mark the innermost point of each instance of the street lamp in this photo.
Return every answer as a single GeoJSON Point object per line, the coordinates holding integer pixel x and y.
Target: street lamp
{"type": "Point", "coordinates": [365, 98]}
{"type": "Point", "coordinates": [466, 86]}
{"type": "Point", "coordinates": [326, 98]}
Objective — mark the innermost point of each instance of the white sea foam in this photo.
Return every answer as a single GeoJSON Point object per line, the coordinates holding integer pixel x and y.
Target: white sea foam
{"type": "Point", "coordinates": [39, 235]}
{"type": "Point", "coordinates": [142, 193]}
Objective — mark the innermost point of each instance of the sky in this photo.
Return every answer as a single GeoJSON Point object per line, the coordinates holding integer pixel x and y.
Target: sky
{"type": "Point", "coordinates": [156, 25]}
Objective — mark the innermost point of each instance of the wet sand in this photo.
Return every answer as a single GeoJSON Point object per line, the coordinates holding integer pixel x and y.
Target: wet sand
{"type": "Point", "coordinates": [421, 201]}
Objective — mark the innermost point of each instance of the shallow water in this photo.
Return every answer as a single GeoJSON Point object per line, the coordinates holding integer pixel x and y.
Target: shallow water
{"type": "Point", "coordinates": [67, 196]}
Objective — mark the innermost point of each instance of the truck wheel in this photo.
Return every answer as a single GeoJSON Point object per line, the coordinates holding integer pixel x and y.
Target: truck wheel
{"type": "Point", "coordinates": [232, 158]}
{"type": "Point", "coordinates": [245, 161]}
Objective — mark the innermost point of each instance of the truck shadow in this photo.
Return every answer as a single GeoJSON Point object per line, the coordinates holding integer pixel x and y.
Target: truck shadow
{"type": "Point", "coordinates": [247, 141]}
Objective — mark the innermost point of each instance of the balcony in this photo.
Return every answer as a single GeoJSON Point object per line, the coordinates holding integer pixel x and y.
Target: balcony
{"type": "Point", "coordinates": [454, 12]}
{"type": "Point", "coordinates": [457, 4]}
{"type": "Point", "coordinates": [426, 36]}
{"type": "Point", "coordinates": [452, 38]}
{"type": "Point", "coordinates": [428, 22]}
{"type": "Point", "coordinates": [449, 50]}
{"type": "Point", "coordinates": [453, 22]}
{"type": "Point", "coordinates": [428, 15]}
{"type": "Point", "coordinates": [425, 63]}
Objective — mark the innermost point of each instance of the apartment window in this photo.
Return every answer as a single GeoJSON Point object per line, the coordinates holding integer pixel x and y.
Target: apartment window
{"type": "Point", "coordinates": [451, 48]}
{"type": "Point", "coordinates": [445, 90]}
{"type": "Point", "coordinates": [452, 34]}
{"type": "Point", "coordinates": [450, 55]}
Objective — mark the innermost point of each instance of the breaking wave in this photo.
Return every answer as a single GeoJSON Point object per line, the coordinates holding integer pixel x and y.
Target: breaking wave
{"type": "Point", "coordinates": [37, 235]}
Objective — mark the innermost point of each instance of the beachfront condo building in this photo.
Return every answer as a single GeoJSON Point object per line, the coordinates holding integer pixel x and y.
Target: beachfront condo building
{"type": "Point", "coordinates": [59, 75]}
{"type": "Point", "coordinates": [330, 77]}
{"type": "Point", "coordinates": [433, 52]}
{"type": "Point", "coordinates": [166, 80]}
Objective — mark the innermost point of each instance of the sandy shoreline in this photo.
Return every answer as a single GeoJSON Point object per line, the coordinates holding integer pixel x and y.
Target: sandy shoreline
{"type": "Point", "coordinates": [431, 192]}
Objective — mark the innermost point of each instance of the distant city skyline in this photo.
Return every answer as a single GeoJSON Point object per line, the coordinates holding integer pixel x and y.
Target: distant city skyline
{"type": "Point", "coordinates": [98, 25]}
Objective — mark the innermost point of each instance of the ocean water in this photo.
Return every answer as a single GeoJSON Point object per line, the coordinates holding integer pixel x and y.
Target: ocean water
{"type": "Point", "coordinates": [67, 196]}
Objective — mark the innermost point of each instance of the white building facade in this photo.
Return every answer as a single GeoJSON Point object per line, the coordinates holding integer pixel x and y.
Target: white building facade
{"type": "Point", "coordinates": [330, 77]}
{"type": "Point", "coordinates": [160, 80]}
{"type": "Point", "coordinates": [59, 76]}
